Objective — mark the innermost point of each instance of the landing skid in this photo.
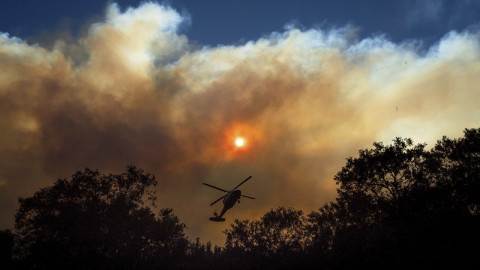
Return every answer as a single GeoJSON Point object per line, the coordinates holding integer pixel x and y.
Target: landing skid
{"type": "Point", "coordinates": [217, 219]}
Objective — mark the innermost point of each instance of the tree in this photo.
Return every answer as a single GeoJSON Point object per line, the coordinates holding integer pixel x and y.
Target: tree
{"type": "Point", "coordinates": [98, 221]}
{"type": "Point", "coordinates": [6, 249]}
{"type": "Point", "coordinates": [456, 164]}
{"type": "Point", "coordinates": [276, 241]}
{"type": "Point", "coordinates": [278, 231]}
{"type": "Point", "coordinates": [401, 203]}
{"type": "Point", "coordinates": [373, 183]}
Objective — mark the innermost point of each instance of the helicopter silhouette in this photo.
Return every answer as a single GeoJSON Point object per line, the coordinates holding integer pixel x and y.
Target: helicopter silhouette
{"type": "Point", "coordinates": [229, 199]}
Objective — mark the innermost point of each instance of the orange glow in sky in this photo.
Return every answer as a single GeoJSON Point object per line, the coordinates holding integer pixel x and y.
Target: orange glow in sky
{"type": "Point", "coordinates": [239, 142]}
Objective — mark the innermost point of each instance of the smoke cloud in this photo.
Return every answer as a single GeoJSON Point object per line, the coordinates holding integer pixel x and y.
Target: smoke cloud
{"type": "Point", "coordinates": [133, 90]}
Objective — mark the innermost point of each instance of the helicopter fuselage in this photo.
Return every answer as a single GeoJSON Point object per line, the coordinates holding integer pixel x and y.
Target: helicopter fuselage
{"type": "Point", "coordinates": [232, 197]}
{"type": "Point", "coordinates": [229, 199]}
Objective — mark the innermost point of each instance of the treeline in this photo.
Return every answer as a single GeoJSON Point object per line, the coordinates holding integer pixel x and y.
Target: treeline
{"type": "Point", "coordinates": [398, 206]}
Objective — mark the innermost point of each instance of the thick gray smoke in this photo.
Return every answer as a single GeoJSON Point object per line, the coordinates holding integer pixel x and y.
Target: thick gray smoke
{"type": "Point", "coordinates": [134, 91]}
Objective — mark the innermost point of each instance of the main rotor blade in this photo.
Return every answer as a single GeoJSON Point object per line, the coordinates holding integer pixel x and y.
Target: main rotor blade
{"type": "Point", "coordinates": [242, 182]}
{"type": "Point", "coordinates": [248, 197]}
{"type": "Point", "coordinates": [217, 200]}
{"type": "Point", "coordinates": [208, 185]}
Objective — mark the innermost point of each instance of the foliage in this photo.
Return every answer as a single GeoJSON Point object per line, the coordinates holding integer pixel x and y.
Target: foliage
{"type": "Point", "coordinates": [98, 221]}
{"type": "Point", "coordinates": [278, 231]}
{"type": "Point", "coordinates": [270, 242]}
{"type": "Point", "coordinates": [401, 203]}
{"type": "Point", "coordinates": [7, 239]}
{"type": "Point", "coordinates": [398, 206]}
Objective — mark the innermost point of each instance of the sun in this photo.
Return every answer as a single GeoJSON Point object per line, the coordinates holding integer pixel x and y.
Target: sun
{"type": "Point", "coordinates": [239, 142]}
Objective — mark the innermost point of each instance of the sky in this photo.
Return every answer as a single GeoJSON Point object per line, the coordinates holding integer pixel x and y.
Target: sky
{"type": "Point", "coordinates": [170, 86]}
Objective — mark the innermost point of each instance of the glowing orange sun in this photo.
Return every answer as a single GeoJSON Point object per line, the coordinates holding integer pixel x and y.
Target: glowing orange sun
{"type": "Point", "coordinates": [239, 142]}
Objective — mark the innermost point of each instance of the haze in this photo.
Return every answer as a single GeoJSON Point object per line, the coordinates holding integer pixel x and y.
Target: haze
{"type": "Point", "coordinates": [134, 90]}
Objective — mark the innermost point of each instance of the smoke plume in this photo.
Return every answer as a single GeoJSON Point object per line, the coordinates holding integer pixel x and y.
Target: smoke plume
{"type": "Point", "coordinates": [133, 90]}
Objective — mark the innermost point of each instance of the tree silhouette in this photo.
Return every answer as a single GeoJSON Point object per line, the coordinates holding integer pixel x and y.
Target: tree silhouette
{"type": "Point", "coordinates": [6, 249]}
{"type": "Point", "coordinates": [398, 206]}
{"type": "Point", "coordinates": [95, 221]}
{"type": "Point", "coordinates": [271, 242]}
{"type": "Point", "coordinates": [405, 205]}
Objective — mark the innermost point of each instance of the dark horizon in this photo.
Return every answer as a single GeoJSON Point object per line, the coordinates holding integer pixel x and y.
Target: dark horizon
{"type": "Point", "coordinates": [399, 205]}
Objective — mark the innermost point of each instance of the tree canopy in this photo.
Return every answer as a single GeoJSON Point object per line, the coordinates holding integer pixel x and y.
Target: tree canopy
{"type": "Point", "coordinates": [98, 221]}
{"type": "Point", "coordinates": [398, 206]}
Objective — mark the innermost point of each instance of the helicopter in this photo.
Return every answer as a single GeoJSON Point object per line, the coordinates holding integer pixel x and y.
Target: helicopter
{"type": "Point", "coordinates": [229, 199]}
